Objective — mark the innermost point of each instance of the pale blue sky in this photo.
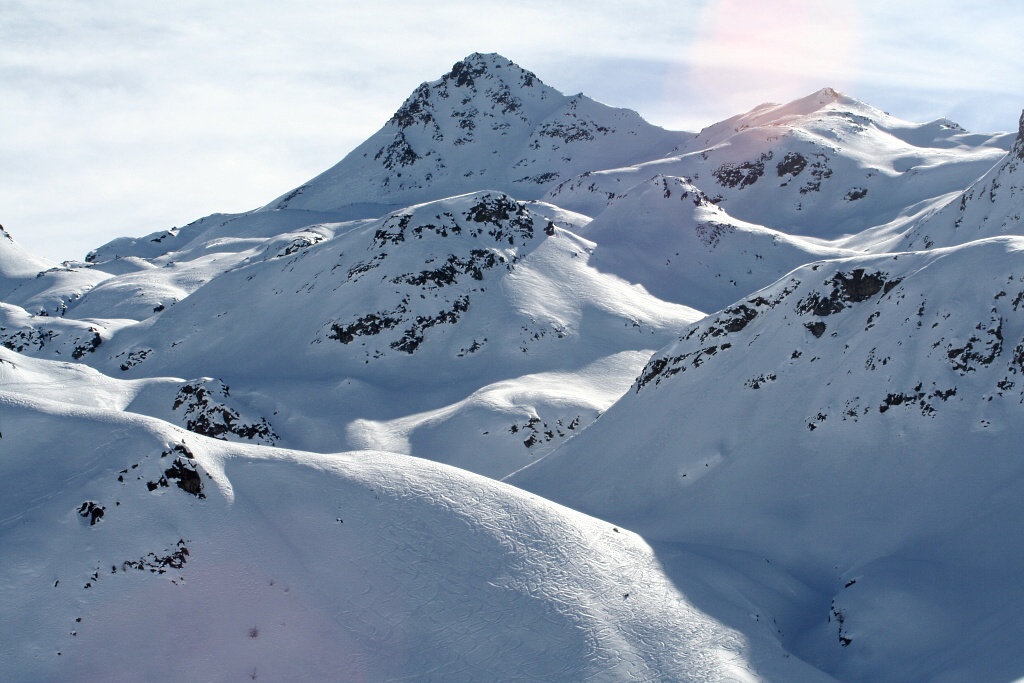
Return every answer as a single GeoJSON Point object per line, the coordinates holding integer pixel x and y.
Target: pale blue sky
{"type": "Point", "coordinates": [124, 117]}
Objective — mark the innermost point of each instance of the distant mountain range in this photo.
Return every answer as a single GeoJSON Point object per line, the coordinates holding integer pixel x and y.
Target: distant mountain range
{"type": "Point", "coordinates": [527, 388]}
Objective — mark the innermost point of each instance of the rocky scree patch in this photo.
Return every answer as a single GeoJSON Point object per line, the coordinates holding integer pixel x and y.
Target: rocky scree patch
{"type": "Point", "coordinates": [204, 412]}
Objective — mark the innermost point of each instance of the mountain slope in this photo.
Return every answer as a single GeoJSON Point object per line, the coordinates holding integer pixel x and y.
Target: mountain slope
{"type": "Point", "coordinates": [220, 233]}
{"type": "Point", "coordinates": [475, 305]}
{"type": "Point", "coordinates": [136, 551]}
{"type": "Point", "coordinates": [477, 283]}
{"type": "Point", "coordinates": [990, 207]}
{"type": "Point", "coordinates": [39, 285]}
{"type": "Point", "coordinates": [487, 124]}
{"type": "Point", "coordinates": [825, 474]}
{"type": "Point", "coordinates": [859, 423]}
{"type": "Point", "coordinates": [667, 236]}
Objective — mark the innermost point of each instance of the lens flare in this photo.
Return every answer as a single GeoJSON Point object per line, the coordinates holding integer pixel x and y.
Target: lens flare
{"type": "Point", "coordinates": [746, 52]}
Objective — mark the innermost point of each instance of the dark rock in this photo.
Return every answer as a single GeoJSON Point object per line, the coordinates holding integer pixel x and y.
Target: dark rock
{"type": "Point", "coordinates": [817, 328]}
{"type": "Point", "coordinates": [743, 174]}
{"type": "Point", "coordinates": [849, 288]}
{"type": "Point", "coordinates": [792, 164]}
{"type": "Point", "coordinates": [187, 477]}
{"type": "Point", "coordinates": [92, 511]}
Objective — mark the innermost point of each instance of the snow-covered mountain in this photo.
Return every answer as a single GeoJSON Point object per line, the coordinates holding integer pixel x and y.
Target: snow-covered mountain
{"type": "Point", "coordinates": [205, 433]}
{"type": "Point", "coordinates": [39, 285]}
{"type": "Point", "coordinates": [825, 166]}
{"type": "Point", "coordinates": [858, 422]}
{"type": "Point", "coordinates": [487, 124]}
{"type": "Point", "coordinates": [476, 281]}
{"type": "Point", "coordinates": [479, 302]}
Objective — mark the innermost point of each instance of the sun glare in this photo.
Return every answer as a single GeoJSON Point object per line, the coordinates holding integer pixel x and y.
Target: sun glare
{"type": "Point", "coordinates": [747, 52]}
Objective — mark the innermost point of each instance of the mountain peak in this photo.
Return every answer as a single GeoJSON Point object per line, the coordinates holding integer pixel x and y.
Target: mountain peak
{"type": "Point", "coordinates": [464, 72]}
{"type": "Point", "coordinates": [799, 112]}
{"type": "Point", "coordinates": [487, 81]}
{"type": "Point", "coordinates": [826, 95]}
{"type": "Point", "coordinates": [486, 124]}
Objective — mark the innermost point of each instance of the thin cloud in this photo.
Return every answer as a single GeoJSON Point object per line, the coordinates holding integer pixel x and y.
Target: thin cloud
{"type": "Point", "coordinates": [126, 118]}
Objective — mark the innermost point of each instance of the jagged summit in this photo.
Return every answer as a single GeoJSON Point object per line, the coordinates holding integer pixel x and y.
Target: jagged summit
{"type": "Point", "coordinates": [486, 124]}
{"type": "Point", "coordinates": [465, 72]}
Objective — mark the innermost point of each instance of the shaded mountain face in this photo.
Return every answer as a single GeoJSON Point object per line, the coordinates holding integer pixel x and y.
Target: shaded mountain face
{"type": "Point", "coordinates": [846, 421]}
{"type": "Point", "coordinates": [850, 346]}
{"type": "Point", "coordinates": [666, 235]}
{"type": "Point", "coordinates": [445, 137]}
{"type": "Point", "coordinates": [991, 206]}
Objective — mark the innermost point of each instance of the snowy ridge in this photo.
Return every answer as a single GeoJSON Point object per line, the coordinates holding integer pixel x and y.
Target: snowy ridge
{"type": "Point", "coordinates": [39, 285]}
{"type": "Point", "coordinates": [824, 166]}
{"type": "Point", "coordinates": [203, 406]}
{"type": "Point", "coordinates": [218, 233]}
{"type": "Point", "coordinates": [47, 336]}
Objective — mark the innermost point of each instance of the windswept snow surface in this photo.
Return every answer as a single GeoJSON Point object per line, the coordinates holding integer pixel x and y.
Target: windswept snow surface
{"type": "Point", "coordinates": [134, 550]}
{"type": "Point", "coordinates": [667, 236]}
{"type": "Point", "coordinates": [824, 475]}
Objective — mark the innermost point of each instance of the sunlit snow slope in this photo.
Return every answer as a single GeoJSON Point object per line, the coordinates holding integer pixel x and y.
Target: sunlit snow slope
{"type": "Point", "coordinates": [138, 551]}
